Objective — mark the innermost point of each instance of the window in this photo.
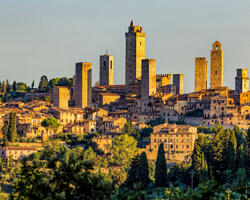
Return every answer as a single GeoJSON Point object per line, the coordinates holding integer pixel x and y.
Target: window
{"type": "Point", "coordinates": [104, 64]}
{"type": "Point", "coordinates": [111, 64]}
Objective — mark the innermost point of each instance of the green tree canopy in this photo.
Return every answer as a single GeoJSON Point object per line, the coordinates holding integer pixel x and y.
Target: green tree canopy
{"type": "Point", "coordinates": [124, 148]}
{"type": "Point", "coordinates": [51, 123]}
{"type": "Point", "coordinates": [66, 174]}
{"type": "Point", "coordinates": [43, 84]}
{"type": "Point", "coordinates": [21, 86]}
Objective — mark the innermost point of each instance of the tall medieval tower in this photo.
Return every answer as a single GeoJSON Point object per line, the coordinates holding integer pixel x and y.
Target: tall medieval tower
{"type": "Point", "coordinates": [148, 82]}
{"type": "Point", "coordinates": [135, 52]}
{"type": "Point", "coordinates": [106, 70]}
{"type": "Point", "coordinates": [216, 73]}
{"type": "Point", "coordinates": [178, 82]}
{"type": "Point", "coordinates": [241, 81]}
{"type": "Point", "coordinates": [200, 74]}
{"type": "Point", "coordinates": [83, 84]}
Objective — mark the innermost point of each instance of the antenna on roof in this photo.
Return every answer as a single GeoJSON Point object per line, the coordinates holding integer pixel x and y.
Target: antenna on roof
{"type": "Point", "coordinates": [107, 52]}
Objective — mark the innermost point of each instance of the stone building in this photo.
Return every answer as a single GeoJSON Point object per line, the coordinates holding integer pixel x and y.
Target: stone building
{"type": "Point", "coordinates": [61, 97]}
{"type": "Point", "coordinates": [106, 70]}
{"type": "Point", "coordinates": [241, 81]}
{"type": "Point", "coordinates": [16, 153]}
{"type": "Point", "coordinates": [135, 52]}
{"type": "Point", "coordinates": [163, 80]}
{"type": "Point", "coordinates": [148, 83]}
{"type": "Point", "coordinates": [178, 82]}
{"type": "Point", "coordinates": [216, 72]}
{"type": "Point", "coordinates": [178, 141]}
{"type": "Point", "coordinates": [200, 74]}
{"type": "Point", "coordinates": [83, 84]}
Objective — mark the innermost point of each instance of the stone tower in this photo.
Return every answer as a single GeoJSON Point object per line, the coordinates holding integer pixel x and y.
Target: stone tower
{"type": "Point", "coordinates": [148, 82]}
{"type": "Point", "coordinates": [241, 81]}
{"type": "Point", "coordinates": [200, 74]}
{"type": "Point", "coordinates": [135, 52]}
{"type": "Point", "coordinates": [178, 82]}
{"type": "Point", "coordinates": [83, 84]}
{"type": "Point", "coordinates": [61, 97]}
{"type": "Point", "coordinates": [216, 76]}
{"type": "Point", "coordinates": [106, 70]}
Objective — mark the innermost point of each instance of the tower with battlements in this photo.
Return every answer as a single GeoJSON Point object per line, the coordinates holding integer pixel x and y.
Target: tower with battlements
{"type": "Point", "coordinates": [216, 72]}
{"type": "Point", "coordinates": [135, 52]}
{"type": "Point", "coordinates": [200, 74]}
{"type": "Point", "coordinates": [106, 70]}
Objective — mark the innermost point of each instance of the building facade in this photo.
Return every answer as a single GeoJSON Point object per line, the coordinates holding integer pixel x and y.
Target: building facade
{"type": "Point", "coordinates": [200, 74]}
{"type": "Point", "coordinates": [216, 72]}
{"type": "Point", "coordinates": [135, 52]}
{"type": "Point", "coordinates": [83, 84]}
{"type": "Point", "coordinates": [178, 141]}
{"type": "Point", "coordinates": [106, 70]}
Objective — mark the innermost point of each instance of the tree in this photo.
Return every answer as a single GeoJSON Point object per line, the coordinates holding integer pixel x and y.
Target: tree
{"type": "Point", "coordinates": [230, 151]}
{"type": "Point", "coordinates": [139, 172]}
{"type": "Point", "coordinates": [131, 130]}
{"type": "Point", "coordinates": [47, 99]}
{"type": "Point", "coordinates": [32, 84]}
{"type": "Point", "coordinates": [8, 86]}
{"type": "Point", "coordinates": [43, 84]}
{"type": "Point", "coordinates": [123, 150]}
{"type": "Point", "coordinates": [53, 82]}
{"type": "Point", "coordinates": [4, 87]}
{"type": "Point", "coordinates": [21, 86]}
{"type": "Point", "coordinates": [60, 180]}
{"type": "Point", "coordinates": [161, 168]}
{"type": "Point", "coordinates": [51, 123]}
{"type": "Point", "coordinates": [12, 133]}
{"type": "Point", "coordinates": [132, 176]}
{"type": "Point", "coordinates": [63, 82]}
{"type": "Point", "coordinates": [14, 86]}
{"type": "Point", "coordinates": [143, 170]}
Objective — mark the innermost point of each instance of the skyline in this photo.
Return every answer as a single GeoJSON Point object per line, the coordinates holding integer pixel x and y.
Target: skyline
{"type": "Point", "coordinates": [51, 44]}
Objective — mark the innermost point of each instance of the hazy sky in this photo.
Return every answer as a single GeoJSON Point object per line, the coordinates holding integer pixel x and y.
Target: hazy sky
{"type": "Point", "coordinates": [49, 36]}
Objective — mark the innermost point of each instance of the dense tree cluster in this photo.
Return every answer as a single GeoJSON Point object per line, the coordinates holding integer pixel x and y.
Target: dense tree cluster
{"type": "Point", "coordinates": [219, 161]}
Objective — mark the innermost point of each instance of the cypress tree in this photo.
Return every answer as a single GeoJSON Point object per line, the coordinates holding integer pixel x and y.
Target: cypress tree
{"type": "Point", "coordinates": [12, 133]}
{"type": "Point", "coordinates": [132, 173]}
{"type": "Point", "coordinates": [32, 84]}
{"type": "Point", "coordinates": [241, 157]}
{"type": "Point", "coordinates": [14, 86]}
{"type": "Point", "coordinates": [231, 151]}
{"type": "Point", "coordinates": [143, 171]}
{"type": "Point", "coordinates": [161, 168]}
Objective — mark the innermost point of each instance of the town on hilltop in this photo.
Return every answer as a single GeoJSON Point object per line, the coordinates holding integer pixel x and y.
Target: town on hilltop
{"type": "Point", "coordinates": [146, 97]}
{"type": "Point", "coordinates": [152, 108]}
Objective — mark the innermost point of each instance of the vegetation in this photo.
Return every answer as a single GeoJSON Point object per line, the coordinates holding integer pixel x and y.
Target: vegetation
{"type": "Point", "coordinates": [219, 161]}
{"type": "Point", "coordinates": [51, 123]}
{"type": "Point", "coordinates": [161, 168]}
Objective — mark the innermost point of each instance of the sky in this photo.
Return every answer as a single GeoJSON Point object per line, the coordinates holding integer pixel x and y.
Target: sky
{"type": "Point", "coordinates": [47, 37]}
